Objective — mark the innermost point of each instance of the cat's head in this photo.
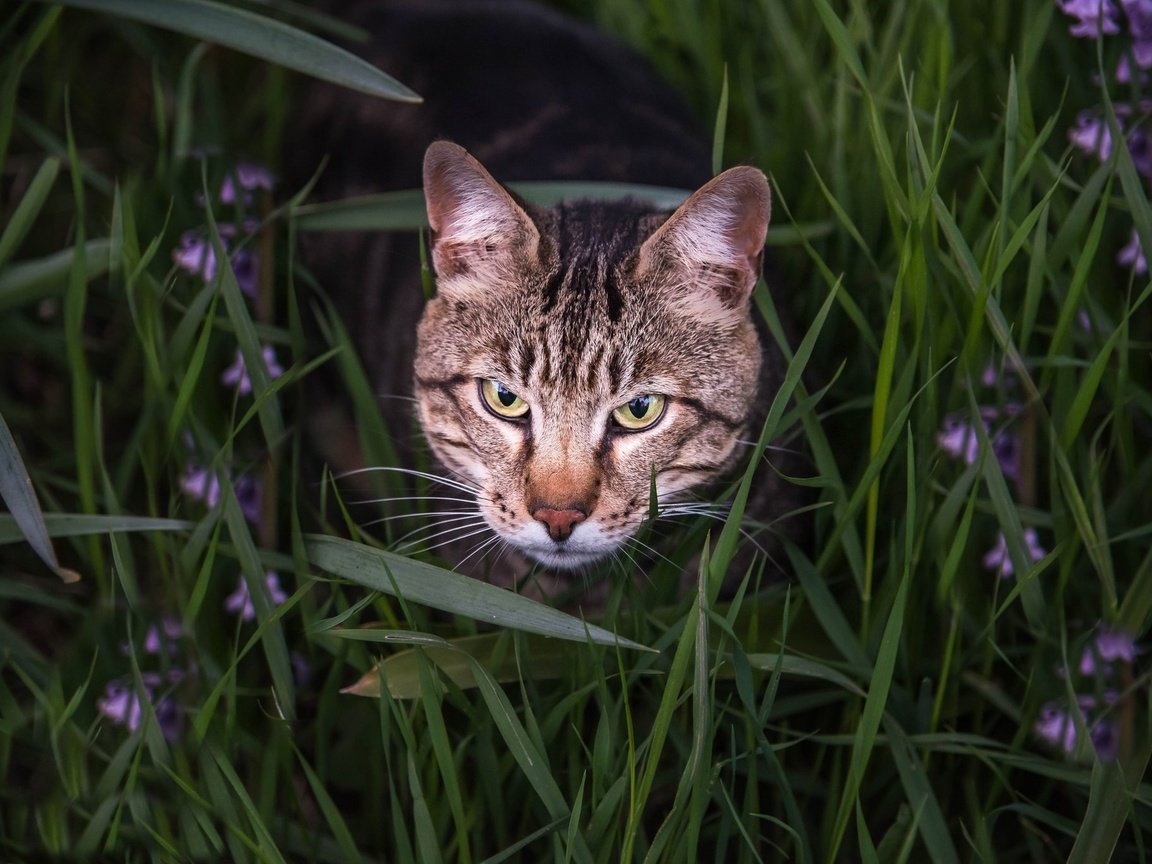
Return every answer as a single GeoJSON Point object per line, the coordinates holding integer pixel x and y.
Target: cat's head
{"type": "Point", "coordinates": [574, 354]}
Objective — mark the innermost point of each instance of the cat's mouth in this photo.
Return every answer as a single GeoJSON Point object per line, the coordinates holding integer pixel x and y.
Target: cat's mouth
{"type": "Point", "coordinates": [562, 556]}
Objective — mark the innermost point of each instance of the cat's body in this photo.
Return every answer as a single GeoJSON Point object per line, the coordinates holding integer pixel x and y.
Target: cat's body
{"type": "Point", "coordinates": [573, 355]}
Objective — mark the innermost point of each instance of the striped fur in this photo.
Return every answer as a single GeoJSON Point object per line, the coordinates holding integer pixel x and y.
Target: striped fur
{"type": "Point", "coordinates": [578, 310]}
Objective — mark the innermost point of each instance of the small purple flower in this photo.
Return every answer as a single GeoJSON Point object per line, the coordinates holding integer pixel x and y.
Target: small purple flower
{"type": "Point", "coordinates": [1132, 256]}
{"type": "Point", "coordinates": [248, 176]}
{"type": "Point", "coordinates": [196, 256]}
{"type": "Point", "coordinates": [236, 375]}
{"type": "Point", "coordinates": [1006, 448]}
{"type": "Point", "coordinates": [122, 705]}
{"type": "Point", "coordinates": [1108, 645]}
{"type": "Point", "coordinates": [162, 638]}
{"type": "Point", "coordinates": [1057, 726]}
{"type": "Point", "coordinates": [200, 485]}
{"type": "Point", "coordinates": [1139, 14]}
{"type": "Point", "coordinates": [1092, 135]}
{"type": "Point", "coordinates": [246, 269]}
{"type": "Point", "coordinates": [1096, 17]}
{"type": "Point", "coordinates": [1105, 739]}
{"type": "Point", "coordinates": [239, 602]}
{"type": "Point", "coordinates": [997, 558]}
{"type": "Point", "coordinates": [958, 438]}
{"type": "Point", "coordinates": [250, 495]}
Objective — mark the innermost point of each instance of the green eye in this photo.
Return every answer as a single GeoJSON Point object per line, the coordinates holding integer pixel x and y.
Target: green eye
{"type": "Point", "coordinates": [640, 413]}
{"type": "Point", "coordinates": [501, 401]}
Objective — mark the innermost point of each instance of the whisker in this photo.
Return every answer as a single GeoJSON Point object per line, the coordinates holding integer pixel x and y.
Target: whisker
{"type": "Point", "coordinates": [480, 530]}
{"type": "Point", "coordinates": [439, 521]}
{"type": "Point", "coordinates": [412, 498]}
{"type": "Point", "coordinates": [652, 551]}
{"type": "Point", "coordinates": [424, 475]}
{"type": "Point", "coordinates": [720, 518]}
{"type": "Point", "coordinates": [405, 544]}
{"type": "Point", "coordinates": [485, 544]}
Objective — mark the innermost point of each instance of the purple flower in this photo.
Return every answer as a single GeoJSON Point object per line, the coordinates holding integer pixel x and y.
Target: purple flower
{"type": "Point", "coordinates": [998, 559]}
{"type": "Point", "coordinates": [246, 269]}
{"type": "Point", "coordinates": [1057, 726]}
{"type": "Point", "coordinates": [1092, 135]}
{"type": "Point", "coordinates": [239, 602]}
{"type": "Point", "coordinates": [248, 176]}
{"type": "Point", "coordinates": [1108, 645]}
{"type": "Point", "coordinates": [162, 638]}
{"type": "Point", "coordinates": [236, 375]}
{"type": "Point", "coordinates": [250, 495]}
{"type": "Point", "coordinates": [1139, 14]}
{"type": "Point", "coordinates": [196, 256]}
{"type": "Point", "coordinates": [122, 705]}
{"type": "Point", "coordinates": [1132, 256]}
{"type": "Point", "coordinates": [201, 485]}
{"type": "Point", "coordinates": [1096, 17]}
{"type": "Point", "coordinates": [958, 438]}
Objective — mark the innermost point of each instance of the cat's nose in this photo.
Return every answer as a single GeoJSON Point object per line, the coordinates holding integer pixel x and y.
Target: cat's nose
{"type": "Point", "coordinates": [559, 522]}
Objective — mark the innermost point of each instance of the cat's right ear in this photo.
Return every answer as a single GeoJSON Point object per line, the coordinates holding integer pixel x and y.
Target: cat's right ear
{"type": "Point", "coordinates": [478, 229]}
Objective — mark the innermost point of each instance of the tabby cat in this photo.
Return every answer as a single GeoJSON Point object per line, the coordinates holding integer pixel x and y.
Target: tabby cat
{"type": "Point", "coordinates": [572, 356]}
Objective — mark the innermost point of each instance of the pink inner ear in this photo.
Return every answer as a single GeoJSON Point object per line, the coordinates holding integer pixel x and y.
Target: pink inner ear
{"type": "Point", "coordinates": [466, 206]}
{"type": "Point", "coordinates": [720, 229]}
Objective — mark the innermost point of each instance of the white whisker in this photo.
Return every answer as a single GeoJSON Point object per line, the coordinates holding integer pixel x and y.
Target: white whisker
{"type": "Point", "coordinates": [412, 472]}
{"type": "Point", "coordinates": [442, 518]}
{"type": "Point", "coordinates": [483, 545]}
{"type": "Point", "coordinates": [405, 544]}
{"type": "Point", "coordinates": [480, 530]}
{"type": "Point", "coordinates": [412, 498]}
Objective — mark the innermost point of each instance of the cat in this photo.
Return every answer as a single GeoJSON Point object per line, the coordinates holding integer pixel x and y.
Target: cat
{"type": "Point", "coordinates": [572, 356]}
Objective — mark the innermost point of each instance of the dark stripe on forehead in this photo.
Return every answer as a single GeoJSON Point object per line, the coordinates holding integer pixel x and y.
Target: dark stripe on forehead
{"type": "Point", "coordinates": [612, 293]}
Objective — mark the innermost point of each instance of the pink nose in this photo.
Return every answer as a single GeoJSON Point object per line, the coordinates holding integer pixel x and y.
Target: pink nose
{"type": "Point", "coordinates": [559, 522]}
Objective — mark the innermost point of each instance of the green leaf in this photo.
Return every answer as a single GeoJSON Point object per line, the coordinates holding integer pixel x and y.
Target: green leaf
{"type": "Point", "coordinates": [28, 209]}
{"type": "Point", "coordinates": [405, 211]}
{"type": "Point", "coordinates": [428, 585]}
{"type": "Point", "coordinates": [20, 498]}
{"type": "Point", "coordinates": [258, 36]}
{"type": "Point", "coordinates": [28, 281]}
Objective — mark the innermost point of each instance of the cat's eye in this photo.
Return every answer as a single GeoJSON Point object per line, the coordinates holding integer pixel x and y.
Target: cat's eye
{"type": "Point", "coordinates": [640, 413]}
{"type": "Point", "coordinates": [501, 401]}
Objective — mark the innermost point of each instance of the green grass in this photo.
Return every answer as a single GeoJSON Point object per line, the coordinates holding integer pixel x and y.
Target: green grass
{"type": "Point", "coordinates": [931, 220]}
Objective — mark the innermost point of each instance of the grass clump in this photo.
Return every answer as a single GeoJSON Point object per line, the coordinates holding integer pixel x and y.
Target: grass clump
{"type": "Point", "coordinates": [954, 669]}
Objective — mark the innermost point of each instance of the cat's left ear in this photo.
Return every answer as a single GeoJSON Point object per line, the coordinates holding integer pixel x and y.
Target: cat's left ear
{"type": "Point", "coordinates": [714, 243]}
{"type": "Point", "coordinates": [477, 227]}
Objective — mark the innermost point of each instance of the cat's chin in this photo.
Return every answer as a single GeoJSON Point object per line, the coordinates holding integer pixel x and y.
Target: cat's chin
{"type": "Point", "coordinates": [563, 557]}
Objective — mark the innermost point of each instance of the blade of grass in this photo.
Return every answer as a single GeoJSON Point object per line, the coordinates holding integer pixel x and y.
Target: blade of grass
{"type": "Point", "coordinates": [428, 585]}
{"type": "Point", "coordinates": [258, 36]}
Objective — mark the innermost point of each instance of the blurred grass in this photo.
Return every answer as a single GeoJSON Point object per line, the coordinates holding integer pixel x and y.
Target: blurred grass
{"type": "Point", "coordinates": [931, 222]}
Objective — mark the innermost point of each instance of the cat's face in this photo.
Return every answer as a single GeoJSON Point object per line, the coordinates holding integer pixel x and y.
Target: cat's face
{"type": "Point", "coordinates": [573, 357]}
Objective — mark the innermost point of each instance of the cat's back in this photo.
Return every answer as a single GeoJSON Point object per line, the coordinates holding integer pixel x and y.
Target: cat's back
{"type": "Point", "coordinates": [533, 94]}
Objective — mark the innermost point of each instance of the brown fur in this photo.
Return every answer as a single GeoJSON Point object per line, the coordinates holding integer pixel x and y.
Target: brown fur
{"type": "Point", "coordinates": [579, 310]}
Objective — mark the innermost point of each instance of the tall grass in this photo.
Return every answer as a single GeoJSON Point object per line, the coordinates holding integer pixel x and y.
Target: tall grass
{"type": "Point", "coordinates": [951, 263]}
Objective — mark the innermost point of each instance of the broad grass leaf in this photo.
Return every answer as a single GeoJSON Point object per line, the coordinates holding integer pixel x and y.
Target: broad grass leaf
{"type": "Point", "coordinates": [258, 36]}
{"type": "Point", "coordinates": [27, 282]}
{"type": "Point", "coordinates": [546, 658]}
{"type": "Point", "coordinates": [28, 209]}
{"type": "Point", "coordinates": [20, 498]}
{"type": "Point", "coordinates": [441, 589]}
{"type": "Point", "coordinates": [404, 210]}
